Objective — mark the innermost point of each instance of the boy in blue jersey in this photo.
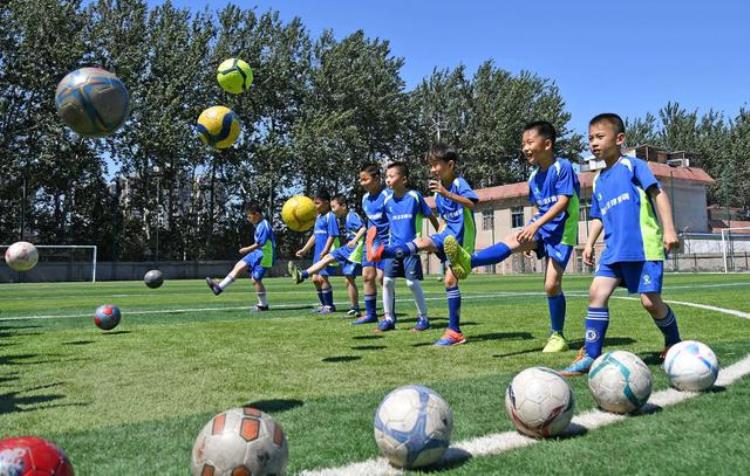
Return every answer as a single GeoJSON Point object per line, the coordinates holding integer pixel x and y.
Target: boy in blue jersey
{"type": "Point", "coordinates": [349, 256]}
{"type": "Point", "coordinates": [258, 257]}
{"type": "Point", "coordinates": [624, 203]}
{"type": "Point", "coordinates": [324, 239]}
{"type": "Point", "coordinates": [404, 209]}
{"type": "Point", "coordinates": [454, 200]}
{"type": "Point", "coordinates": [552, 232]}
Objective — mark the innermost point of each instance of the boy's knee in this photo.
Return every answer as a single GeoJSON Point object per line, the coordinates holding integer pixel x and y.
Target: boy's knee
{"type": "Point", "coordinates": [651, 303]}
{"type": "Point", "coordinates": [552, 288]}
{"type": "Point", "coordinates": [450, 280]}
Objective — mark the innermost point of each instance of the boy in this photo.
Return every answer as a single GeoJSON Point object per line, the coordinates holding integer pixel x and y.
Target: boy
{"type": "Point", "coordinates": [624, 199]}
{"type": "Point", "coordinates": [349, 256]}
{"type": "Point", "coordinates": [258, 257]}
{"type": "Point", "coordinates": [454, 200]}
{"type": "Point", "coordinates": [404, 209]}
{"type": "Point", "coordinates": [551, 233]}
{"type": "Point", "coordinates": [324, 239]}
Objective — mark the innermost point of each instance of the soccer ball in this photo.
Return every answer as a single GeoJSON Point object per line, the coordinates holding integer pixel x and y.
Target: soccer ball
{"type": "Point", "coordinates": [107, 317]}
{"type": "Point", "coordinates": [21, 256]}
{"type": "Point", "coordinates": [413, 426]}
{"type": "Point", "coordinates": [240, 441]}
{"type": "Point", "coordinates": [234, 76]}
{"type": "Point", "coordinates": [32, 456]}
{"type": "Point", "coordinates": [539, 402]}
{"type": "Point", "coordinates": [219, 127]}
{"type": "Point", "coordinates": [93, 102]}
{"type": "Point", "coordinates": [691, 366]}
{"type": "Point", "coordinates": [299, 213]}
{"type": "Point", "coordinates": [154, 279]}
{"type": "Point", "coordinates": [620, 382]}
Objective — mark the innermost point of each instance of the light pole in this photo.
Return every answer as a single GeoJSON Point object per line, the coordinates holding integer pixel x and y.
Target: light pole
{"type": "Point", "coordinates": [157, 173]}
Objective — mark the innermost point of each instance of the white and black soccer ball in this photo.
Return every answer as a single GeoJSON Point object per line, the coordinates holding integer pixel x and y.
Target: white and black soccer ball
{"type": "Point", "coordinates": [21, 256]}
{"type": "Point", "coordinates": [691, 366]}
{"type": "Point", "coordinates": [154, 278]}
{"type": "Point", "coordinates": [240, 441]}
{"type": "Point", "coordinates": [620, 382]}
{"type": "Point", "coordinates": [539, 402]}
{"type": "Point", "coordinates": [413, 426]}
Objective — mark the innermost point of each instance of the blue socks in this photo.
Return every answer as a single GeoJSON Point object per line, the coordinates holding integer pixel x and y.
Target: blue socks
{"type": "Point", "coordinates": [668, 327]}
{"type": "Point", "coordinates": [305, 274]}
{"type": "Point", "coordinates": [454, 308]}
{"type": "Point", "coordinates": [597, 322]}
{"type": "Point", "coordinates": [327, 296]}
{"type": "Point", "coordinates": [491, 255]}
{"type": "Point", "coordinates": [395, 251]}
{"type": "Point", "coordinates": [371, 306]}
{"type": "Point", "coordinates": [321, 298]}
{"type": "Point", "coordinates": [556, 312]}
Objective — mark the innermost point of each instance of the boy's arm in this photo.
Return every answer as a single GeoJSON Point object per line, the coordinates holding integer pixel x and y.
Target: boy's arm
{"type": "Point", "coordinates": [357, 237]}
{"type": "Point", "coordinates": [327, 247]}
{"type": "Point", "coordinates": [249, 249]}
{"type": "Point", "coordinates": [310, 243]}
{"type": "Point", "coordinates": [438, 187]}
{"type": "Point", "coordinates": [527, 233]}
{"type": "Point", "coordinates": [664, 209]}
{"type": "Point", "coordinates": [594, 231]}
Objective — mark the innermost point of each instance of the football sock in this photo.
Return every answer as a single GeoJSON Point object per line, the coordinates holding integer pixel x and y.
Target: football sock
{"type": "Point", "coordinates": [556, 312]}
{"type": "Point", "coordinates": [668, 327]}
{"type": "Point", "coordinates": [262, 300]}
{"type": "Point", "coordinates": [454, 308]}
{"type": "Point", "coordinates": [490, 255]}
{"type": "Point", "coordinates": [371, 305]}
{"type": "Point", "coordinates": [226, 282]}
{"type": "Point", "coordinates": [597, 321]}
{"type": "Point", "coordinates": [389, 298]}
{"type": "Point", "coordinates": [416, 289]}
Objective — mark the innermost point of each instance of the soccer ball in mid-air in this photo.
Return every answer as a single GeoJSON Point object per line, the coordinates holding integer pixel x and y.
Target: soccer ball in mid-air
{"type": "Point", "coordinates": [240, 441]}
{"type": "Point", "coordinates": [92, 101]}
{"type": "Point", "coordinates": [691, 366]}
{"type": "Point", "coordinates": [413, 426]}
{"type": "Point", "coordinates": [299, 213]}
{"type": "Point", "coordinates": [620, 382]}
{"type": "Point", "coordinates": [154, 279]}
{"type": "Point", "coordinates": [234, 76]}
{"type": "Point", "coordinates": [32, 456]}
{"type": "Point", "coordinates": [21, 256]}
{"type": "Point", "coordinates": [107, 317]}
{"type": "Point", "coordinates": [539, 402]}
{"type": "Point", "coordinates": [219, 127]}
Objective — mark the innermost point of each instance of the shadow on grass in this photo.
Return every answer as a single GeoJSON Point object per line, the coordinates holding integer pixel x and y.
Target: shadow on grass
{"type": "Point", "coordinates": [14, 402]}
{"type": "Point", "coordinates": [274, 405]}
{"type": "Point", "coordinates": [108, 333]}
{"type": "Point", "coordinates": [368, 337]}
{"type": "Point", "coordinates": [609, 341]}
{"type": "Point", "coordinates": [10, 377]}
{"type": "Point", "coordinates": [520, 352]}
{"type": "Point", "coordinates": [501, 336]}
{"type": "Point", "coordinates": [18, 359]}
{"type": "Point", "coordinates": [368, 347]}
{"type": "Point", "coordinates": [341, 358]}
{"type": "Point", "coordinates": [78, 342]}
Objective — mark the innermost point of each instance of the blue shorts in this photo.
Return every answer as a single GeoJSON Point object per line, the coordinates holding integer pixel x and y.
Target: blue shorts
{"type": "Point", "coordinates": [409, 267]}
{"type": "Point", "coordinates": [558, 252]}
{"type": "Point", "coordinates": [254, 268]}
{"type": "Point", "coordinates": [638, 276]}
{"type": "Point", "coordinates": [348, 268]}
{"type": "Point", "coordinates": [438, 239]}
{"type": "Point", "coordinates": [328, 270]}
{"type": "Point", "coordinates": [372, 264]}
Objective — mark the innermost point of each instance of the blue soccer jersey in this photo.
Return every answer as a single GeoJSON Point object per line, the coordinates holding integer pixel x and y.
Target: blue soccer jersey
{"type": "Point", "coordinates": [405, 216]}
{"type": "Point", "coordinates": [620, 201]}
{"type": "Point", "coordinates": [459, 220]}
{"type": "Point", "coordinates": [352, 224]}
{"type": "Point", "coordinates": [325, 227]}
{"type": "Point", "coordinates": [266, 241]}
{"type": "Point", "coordinates": [545, 187]}
{"type": "Point", "coordinates": [373, 206]}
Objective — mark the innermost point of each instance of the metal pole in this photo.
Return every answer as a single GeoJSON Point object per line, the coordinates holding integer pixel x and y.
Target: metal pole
{"type": "Point", "coordinates": [23, 209]}
{"type": "Point", "coordinates": [158, 216]}
{"type": "Point", "coordinates": [93, 268]}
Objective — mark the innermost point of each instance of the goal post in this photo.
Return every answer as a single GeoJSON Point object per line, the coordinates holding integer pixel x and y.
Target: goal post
{"type": "Point", "coordinates": [58, 253]}
{"type": "Point", "coordinates": [730, 246]}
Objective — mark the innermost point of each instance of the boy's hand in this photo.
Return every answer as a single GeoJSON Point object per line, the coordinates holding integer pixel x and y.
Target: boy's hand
{"type": "Point", "coordinates": [588, 256]}
{"type": "Point", "coordinates": [300, 253]}
{"type": "Point", "coordinates": [671, 240]}
{"type": "Point", "coordinates": [352, 244]}
{"type": "Point", "coordinates": [436, 186]}
{"type": "Point", "coordinates": [527, 234]}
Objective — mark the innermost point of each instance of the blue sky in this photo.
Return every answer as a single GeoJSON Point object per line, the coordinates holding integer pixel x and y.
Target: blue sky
{"type": "Point", "coordinates": [629, 57]}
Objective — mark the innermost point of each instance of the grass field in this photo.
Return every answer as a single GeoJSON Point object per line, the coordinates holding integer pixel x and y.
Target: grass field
{"type": "Point", "coordinates": [132, 400]}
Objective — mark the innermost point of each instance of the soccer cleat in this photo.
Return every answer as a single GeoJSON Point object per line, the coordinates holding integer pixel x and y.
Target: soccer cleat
{"type": "Point", "coordinates": [213, 286]}
{"type": "Point", "coordinates": [555, 343]}
{"type": "Point", "coordinates": [295, 272]}
{"type": "Point", "coordinates": [260, 308]}
{"type": "Point", "coordinates": [580, 365]}
{"type": "Point", "coordinates": [422, 324]}
{"type": "Point", "coordinates": [365, 320]}
{"type": "Point", "coordinates": [450, 338]}
{"type": "Point", "coordinates": [460, 259]}
{"type": "Point", "coordinates": [327, 309]}
{"type": "Point", "coordinates": [385, 325]}
{"type": "Point", "coordinates": [353, 312]}
{"type": "Point", "coordinates": [373, 253]}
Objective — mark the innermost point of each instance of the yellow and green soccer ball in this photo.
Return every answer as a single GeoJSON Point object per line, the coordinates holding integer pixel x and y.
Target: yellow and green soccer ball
{"type": "Point", "coordinates": [219, 127]}
{"type": "Point", "coordinates": [299, 213]}
{"type": "Point", "coordinates": [234, 76]}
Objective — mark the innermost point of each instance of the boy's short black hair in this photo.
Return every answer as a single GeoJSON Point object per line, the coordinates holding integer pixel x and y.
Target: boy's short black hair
{"type": "Point", "coordinates": [323, 195]}
{"type": "Point", "coordinates": [253, 208]}
{"type": "Point", "coordinates": [611, 118]}
{"type": "Point", "coordinates": [340, 199]}
{"type": "Point", "coordinates": [543, 128]}
{"type": "Point", "coordinates": [371, 169]}
{"type": "Point", "coordinates": [441, 152]}
{"type": "Point", "coordinates": [403, 170]}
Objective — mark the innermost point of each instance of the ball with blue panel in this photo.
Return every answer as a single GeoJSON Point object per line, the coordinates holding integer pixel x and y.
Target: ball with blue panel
{"type": "Point", "coordinates": [107, 316]}
{"type": "Point", "coordinates": [219, 127]}
{"type": "Point", "coordinates": [691, 366]}
{"type": "Point", "coordinates": [620, 382]}
{"type": "Point", "coordinates": [413, 426]}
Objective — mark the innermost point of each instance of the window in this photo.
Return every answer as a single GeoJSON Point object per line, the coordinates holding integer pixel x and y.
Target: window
{"type": "Point", "coordinates": [488, 219]}
{"type": "Point", "coordinates": [516, 217]}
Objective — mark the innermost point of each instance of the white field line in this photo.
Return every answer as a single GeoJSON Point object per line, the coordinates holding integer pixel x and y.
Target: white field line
{"type": "Point", "coordinates": [732, 312]}
{"type": "Point", "coordinates": [502, 442]}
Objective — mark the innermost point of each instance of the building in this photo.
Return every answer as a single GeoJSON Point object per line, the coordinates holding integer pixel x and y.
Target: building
{"type": "Point", "coordinates": [505, 209]}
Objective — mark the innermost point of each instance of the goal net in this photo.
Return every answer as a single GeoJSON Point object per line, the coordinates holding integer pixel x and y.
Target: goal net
{"type": "Point", "coordinates": [57, 263]}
